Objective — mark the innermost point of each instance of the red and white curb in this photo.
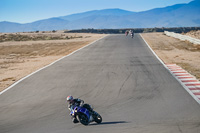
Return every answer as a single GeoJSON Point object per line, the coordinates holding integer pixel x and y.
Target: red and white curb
{"type": "Point", "coordinates": [189, 82]}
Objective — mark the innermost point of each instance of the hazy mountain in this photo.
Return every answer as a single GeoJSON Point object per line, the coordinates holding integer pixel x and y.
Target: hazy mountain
{"type": "Point", "coordinates": [180, 15]}
{"type": "Point", "coordinates": [47, 24]}
{"type": "Point", "coordinates": [44, 25]}
{"type": "Point", "coordinates": [9, 26]}
{"type": "Point", "coordinates": [106, 12]}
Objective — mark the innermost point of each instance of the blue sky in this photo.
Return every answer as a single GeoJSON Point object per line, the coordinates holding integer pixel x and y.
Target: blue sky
{"type": "Point", "coordinates": [25, 11]}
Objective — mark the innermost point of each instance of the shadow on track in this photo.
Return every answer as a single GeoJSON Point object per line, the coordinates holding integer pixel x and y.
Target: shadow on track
{"type": "Point", "coordinates": [112, 122]}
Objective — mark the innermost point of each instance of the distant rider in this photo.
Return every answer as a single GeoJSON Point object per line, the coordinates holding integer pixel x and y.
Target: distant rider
{"type": "Point", "coordinates": [126, 33]}
{"type": "Point", "coordinates": [77, 102]}
{"type": "Point", "coordinates": [131, 33]}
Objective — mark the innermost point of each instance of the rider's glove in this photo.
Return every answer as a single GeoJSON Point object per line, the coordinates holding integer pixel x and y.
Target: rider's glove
{"type": "Point", "coordinates": [69, 107]}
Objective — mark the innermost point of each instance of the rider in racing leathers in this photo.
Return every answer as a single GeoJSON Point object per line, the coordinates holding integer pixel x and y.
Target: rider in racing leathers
{"type": "Point", "coordinates": [77, 102]}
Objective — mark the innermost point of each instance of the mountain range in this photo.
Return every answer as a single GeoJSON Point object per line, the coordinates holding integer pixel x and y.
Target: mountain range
{"type": "Point", "coordinates": [179, 15]}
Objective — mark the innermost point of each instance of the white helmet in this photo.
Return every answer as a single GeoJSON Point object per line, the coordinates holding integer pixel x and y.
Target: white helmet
{"type": "Point", "coordinates": [69, 98]}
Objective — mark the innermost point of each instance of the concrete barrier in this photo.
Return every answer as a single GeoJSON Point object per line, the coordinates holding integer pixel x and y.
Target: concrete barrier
{"type": "Point", "coordinates": [182, 37]}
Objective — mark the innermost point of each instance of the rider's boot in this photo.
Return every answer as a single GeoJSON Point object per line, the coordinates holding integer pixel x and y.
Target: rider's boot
{"type": "Point", "coordinates": [74, 120]}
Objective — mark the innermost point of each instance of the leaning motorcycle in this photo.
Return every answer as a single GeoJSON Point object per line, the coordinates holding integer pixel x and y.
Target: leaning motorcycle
{"type": "Point", "coordinates": [84, 116]}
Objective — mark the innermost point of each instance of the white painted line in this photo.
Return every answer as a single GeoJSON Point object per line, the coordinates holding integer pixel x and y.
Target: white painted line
{"type": "Point", "coordinates": [178, 71]}
{"type": "Point", "coordinates": [197, 86]}
{"type": "Point", "coordinates": [194, 87]}
{"type": "Point", "coordinates": [196, 97]}
{"type": "Point", "coordinates": [191, 82]}
{"type": "Point", "coordinates": [181, 76]}
{"type": "Point", "coordinates": [187, 82]}
{"type": "Point", "coordinates": [48, 65]}
{"type": "Point", "coordinates": [186, 77]}
{"type": "Point", "coordinates": [154, 53]}
{"type": "Point", "coordinates": [174, 67]}
{"type": "Point", "coordinates": [195, 91]}
{"type": "Point", "coordinates": [170, 65]}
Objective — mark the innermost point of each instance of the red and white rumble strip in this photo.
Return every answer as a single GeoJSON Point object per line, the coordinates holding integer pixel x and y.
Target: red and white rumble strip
{"type": "Point", "coordinates": [189, 82]}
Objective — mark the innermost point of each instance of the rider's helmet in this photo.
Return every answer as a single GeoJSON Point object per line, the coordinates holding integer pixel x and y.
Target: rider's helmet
{"type": "Point", "coordinates": [70, 98]}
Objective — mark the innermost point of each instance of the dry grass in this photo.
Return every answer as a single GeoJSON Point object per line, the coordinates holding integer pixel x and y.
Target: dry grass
{"type": "Point", "coordinates": [39, 49]}
{"type": "Point", "coordinates": [34, 37]}
{"type": "Point", "coordinates": [194, 34]}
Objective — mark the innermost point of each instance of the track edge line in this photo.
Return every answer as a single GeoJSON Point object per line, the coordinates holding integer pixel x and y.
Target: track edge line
{"type": "Point", "coordinates": [186, 88]}
{"type": "Point", "coordinates": [49, 65]}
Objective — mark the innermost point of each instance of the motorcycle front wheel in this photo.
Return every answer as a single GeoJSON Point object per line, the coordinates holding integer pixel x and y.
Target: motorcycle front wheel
{"type": "Point", "coordinates": [98, 118]}
{"type": "Point", "coordinates": [83, 119]}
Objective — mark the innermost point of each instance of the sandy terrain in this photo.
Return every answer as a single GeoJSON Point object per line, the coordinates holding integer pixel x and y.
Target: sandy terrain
{"type": "Point", "coordinates": [171, 50]}
{"type": "Point", "coordinates": [20, 58]}
{"type": "Point", "coordinates": [194, 34]}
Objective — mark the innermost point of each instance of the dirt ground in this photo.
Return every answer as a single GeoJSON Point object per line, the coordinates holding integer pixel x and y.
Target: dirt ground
{"type": "Point", "coordinates": [34, 51]}
{"type": "Point", "coordinates": [174, 51]}
{"type": "Point", "coordinates": [194, 34]}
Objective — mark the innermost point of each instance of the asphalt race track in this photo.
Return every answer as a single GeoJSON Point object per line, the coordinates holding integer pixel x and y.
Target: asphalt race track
{"type": "Point", "coordinates": [119, 76]}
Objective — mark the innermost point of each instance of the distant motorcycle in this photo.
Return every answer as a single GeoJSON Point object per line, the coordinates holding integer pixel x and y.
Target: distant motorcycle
{"type": "Point", "coordinates": [84, 116]}
{"type": "Point", "coordinates": [132, 35]}
{"type": "Point", "coordinates": [126, 33]}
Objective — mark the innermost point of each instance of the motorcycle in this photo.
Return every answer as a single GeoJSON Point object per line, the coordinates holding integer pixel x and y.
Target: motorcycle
{"type": "Point", "coordinates": [132, 35]}
{"type": "Point", "coordinates": [84, 116]}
